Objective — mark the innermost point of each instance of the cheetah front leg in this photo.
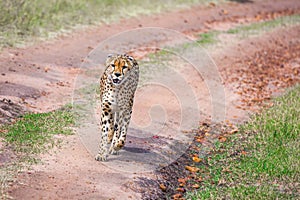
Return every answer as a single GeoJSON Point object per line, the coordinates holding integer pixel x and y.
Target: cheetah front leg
{"type": "Point", "coordinates": [107, 130]}
{"type": "Point", "coordinates": [116, 135]}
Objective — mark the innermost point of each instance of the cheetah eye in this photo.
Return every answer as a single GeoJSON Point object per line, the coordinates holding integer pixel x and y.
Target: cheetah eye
{"type": "Point", "coordinates": [124, 67]}
{"type": "Point", "coordinates": [113, 66]}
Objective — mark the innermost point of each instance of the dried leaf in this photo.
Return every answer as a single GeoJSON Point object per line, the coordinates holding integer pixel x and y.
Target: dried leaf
{"type": "Point", "coordinates": [258, 17]}
{"type": "Point", "coordinates": [181, 180]}
{"type": "Point", "coordinates": [212, 4]}
{"type": "Point", "coordinates": [195, 186]}
{"type": "Point", "coordinates": [199, 179]}
{"type": "Point", "coordinates": [177, 196]}
{"type": "Point", "coordinates": [199, 140]}
{"type": "Point", "coordinates": [163, 187]}
{"type": "Point", "coordinates": [191, 169]}
{"type": "Point", "coordinates": [196, 159]}
{"type": "Point", "coordinates": [233, 131]}
{"type": "Point", "coordinates": [180, 189]}
{"type": "Point", "coordinates": [222, 139]}
{"type": "Point", "coordinates": [225, 12]}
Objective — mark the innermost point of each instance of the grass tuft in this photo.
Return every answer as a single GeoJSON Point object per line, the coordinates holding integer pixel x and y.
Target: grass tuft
{"type": "Point", "coordinates": [33, 133]}
{"type": "Point", "coordinates": [208, 38]}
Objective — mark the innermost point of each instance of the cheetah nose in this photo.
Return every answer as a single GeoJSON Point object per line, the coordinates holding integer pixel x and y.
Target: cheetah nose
{"type": "Point", "coordinates": [117, 74]}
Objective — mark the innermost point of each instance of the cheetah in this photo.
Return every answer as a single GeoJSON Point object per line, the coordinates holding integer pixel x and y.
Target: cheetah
{"type": "Point", "coordinates": [117, 87]}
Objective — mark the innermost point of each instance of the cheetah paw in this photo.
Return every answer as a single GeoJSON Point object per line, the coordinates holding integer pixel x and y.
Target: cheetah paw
{"type": "Point", "coordinates": [113, 151]}
{"type": "Point", "coordinates": [100, 157]}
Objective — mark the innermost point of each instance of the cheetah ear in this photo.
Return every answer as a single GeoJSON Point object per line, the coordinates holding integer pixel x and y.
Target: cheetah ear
{"type": "Point", "coordinates": [110, 55]}
{"type": "Point", "coordinates": [109, 58]}
{"type": "Point", "coordinates": [130, 58]}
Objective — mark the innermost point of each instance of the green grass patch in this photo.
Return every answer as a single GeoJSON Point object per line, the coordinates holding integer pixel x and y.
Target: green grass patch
{"type": "Point", "coordinates": [261, 161]}
{"type": "Point", "coordinates": [256, 28]}
{"type": "Point", "coordinates": [33, 133]}
{"type": "Point", "coordinates": [21, 20]}
{"type": "Point", "coordinates": [208, 38]}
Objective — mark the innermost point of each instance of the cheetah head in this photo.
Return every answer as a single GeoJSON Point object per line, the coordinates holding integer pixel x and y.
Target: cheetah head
{"type": "Point", "coordinates": [118, 67]}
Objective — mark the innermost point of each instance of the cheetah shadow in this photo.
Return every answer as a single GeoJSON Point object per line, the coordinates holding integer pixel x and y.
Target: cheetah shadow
{"type": "Point", "coordinates": [147, 153]}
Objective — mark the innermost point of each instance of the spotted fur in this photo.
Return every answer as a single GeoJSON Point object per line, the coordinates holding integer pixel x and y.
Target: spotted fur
{"type": "Point", "coordinates": [117, 87]}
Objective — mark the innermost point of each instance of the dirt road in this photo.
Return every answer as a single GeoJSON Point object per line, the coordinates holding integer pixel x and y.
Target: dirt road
{"type": "Point", "coordinates": [41, 78]}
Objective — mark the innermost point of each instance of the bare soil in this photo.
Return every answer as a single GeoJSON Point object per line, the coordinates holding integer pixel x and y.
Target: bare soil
{"type": "Point", "coordinates": [40, 78]}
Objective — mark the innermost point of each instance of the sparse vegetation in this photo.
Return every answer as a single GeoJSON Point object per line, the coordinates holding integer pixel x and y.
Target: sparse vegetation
{"type": "Point", "coordinates": [261, 161]}
{"type": "Point", "coordinates": [30, 135]}
{"type": "Point", "coordinates": [211, 37]}
{"type": "Point", "coordinates": [261, 27]}
{"type": "Point", "coordinates": [22, 20]}
{"type": "Point", "coordinates": [33, 133]}
{"type": "Point", "coordinates": [208, 38]}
